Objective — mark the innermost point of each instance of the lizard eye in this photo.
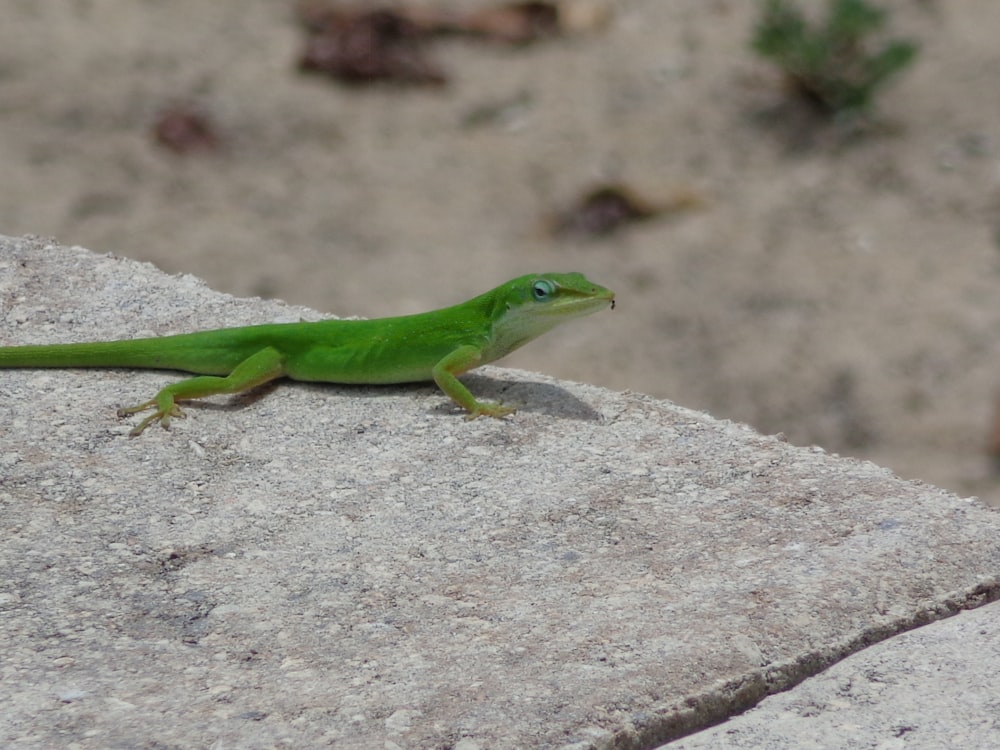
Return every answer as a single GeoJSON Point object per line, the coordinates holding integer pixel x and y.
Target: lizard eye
{"type": "Point", "coordinates": [541, 290]}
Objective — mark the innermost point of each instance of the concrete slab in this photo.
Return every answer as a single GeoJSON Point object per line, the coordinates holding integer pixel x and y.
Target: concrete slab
{"type": "Point", "coordinates": [931, 688]}
{"type": "Point", "coordinates": [361, 567]}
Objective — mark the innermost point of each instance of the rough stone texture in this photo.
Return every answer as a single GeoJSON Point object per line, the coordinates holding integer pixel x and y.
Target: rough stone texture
{"type": "Point", "coordinates": [932, 688]}
{"type": "Point", "coordinates": [841, 291]}
{"type": "Point", "coordinates": [361, 567]}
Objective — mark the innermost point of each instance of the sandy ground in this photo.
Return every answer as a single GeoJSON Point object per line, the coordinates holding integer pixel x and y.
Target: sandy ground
{"type": "Point", "coordinates": [843, 294]}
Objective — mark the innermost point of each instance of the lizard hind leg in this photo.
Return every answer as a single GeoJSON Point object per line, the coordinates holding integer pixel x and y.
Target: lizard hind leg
{"type": "Point", "coordinates": [257, 369]}
{"type": "Point", "coordinates": [165, 407]}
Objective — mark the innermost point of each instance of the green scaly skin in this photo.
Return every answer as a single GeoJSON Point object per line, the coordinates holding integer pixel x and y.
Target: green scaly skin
{"type": "Point", "coordinates": [438, 345]}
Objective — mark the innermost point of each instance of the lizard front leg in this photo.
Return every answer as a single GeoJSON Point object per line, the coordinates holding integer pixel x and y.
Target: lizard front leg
{"type": "Point", "coordinates": [446, 374]}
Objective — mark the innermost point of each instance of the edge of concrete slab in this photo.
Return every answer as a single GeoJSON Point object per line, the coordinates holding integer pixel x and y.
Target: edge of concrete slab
{"type": "Point", "coordinates": [721, 704]}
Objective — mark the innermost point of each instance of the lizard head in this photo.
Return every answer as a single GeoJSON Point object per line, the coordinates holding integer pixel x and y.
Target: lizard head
{"type": "Point", "coordinates": [528, 306]}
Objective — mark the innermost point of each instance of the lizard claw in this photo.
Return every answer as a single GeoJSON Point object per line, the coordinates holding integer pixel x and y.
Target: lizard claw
{"type": "Point", "coordinates": [163, 414]}
{"type": "Point", "coordinates": [497, 411]}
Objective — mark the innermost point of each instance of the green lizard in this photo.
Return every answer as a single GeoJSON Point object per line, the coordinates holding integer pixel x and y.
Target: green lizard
{"type": "Point", "coordinates": [438, 345]}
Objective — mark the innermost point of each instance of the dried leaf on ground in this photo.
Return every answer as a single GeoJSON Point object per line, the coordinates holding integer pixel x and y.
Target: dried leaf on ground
{"type": "Point", "coordinates": [607, 208]}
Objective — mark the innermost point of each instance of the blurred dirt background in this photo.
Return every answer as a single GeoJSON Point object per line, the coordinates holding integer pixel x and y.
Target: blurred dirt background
{"type": "Point", "coordinates": [843, 292]}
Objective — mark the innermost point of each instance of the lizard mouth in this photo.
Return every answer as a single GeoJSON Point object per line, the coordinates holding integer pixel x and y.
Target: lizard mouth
{"type": "Point", "coordinates": [583, 305]}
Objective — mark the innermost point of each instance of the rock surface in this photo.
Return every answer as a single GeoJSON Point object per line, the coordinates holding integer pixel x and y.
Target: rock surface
{"type": "Point", "coordinates": [361, 567]}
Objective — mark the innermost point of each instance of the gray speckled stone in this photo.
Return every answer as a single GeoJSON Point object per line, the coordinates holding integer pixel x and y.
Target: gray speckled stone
{"type": "Point", "coordinates": [361, 567]}
{"type": "Point", "coordinates": [931, 688]}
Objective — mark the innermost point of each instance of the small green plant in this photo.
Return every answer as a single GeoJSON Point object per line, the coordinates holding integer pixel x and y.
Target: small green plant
{"type": "Point", "coordinates": [832, 63]}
